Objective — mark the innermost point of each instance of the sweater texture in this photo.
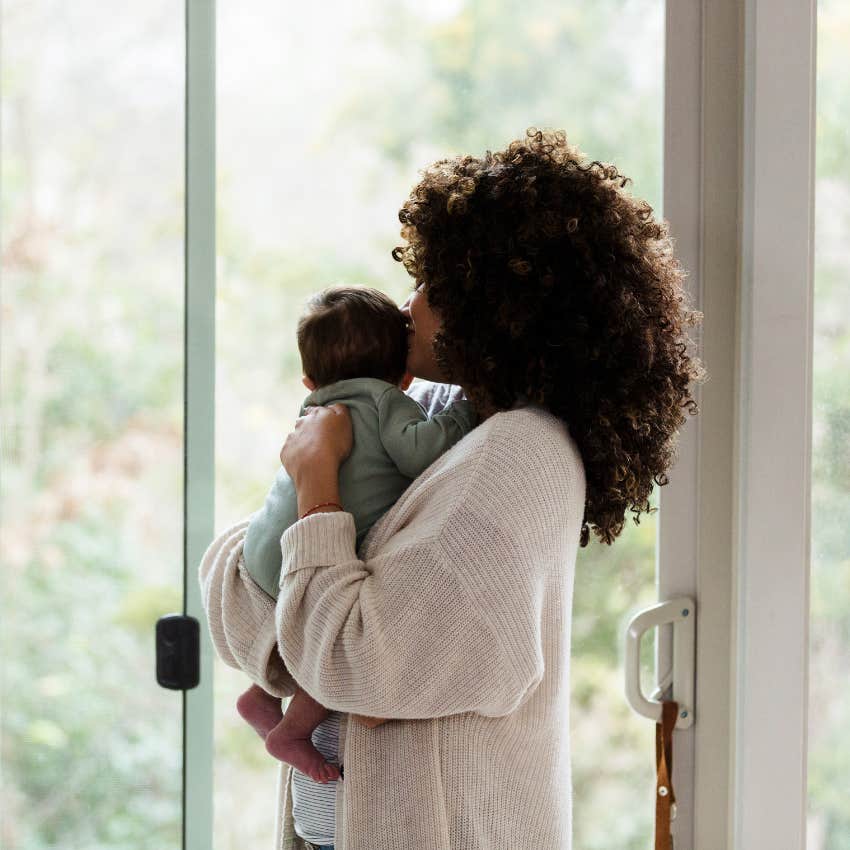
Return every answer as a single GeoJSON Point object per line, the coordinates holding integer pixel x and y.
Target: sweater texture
{"type": "Point", "coordinates": [454, 621]}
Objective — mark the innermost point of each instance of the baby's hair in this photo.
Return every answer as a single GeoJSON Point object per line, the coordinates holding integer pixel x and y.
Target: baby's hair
{"type": "Point", "coordinates": [352, 332]}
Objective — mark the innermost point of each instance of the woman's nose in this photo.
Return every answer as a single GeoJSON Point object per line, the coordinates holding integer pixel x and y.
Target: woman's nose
{"type": "Point", "coordinates": [405, 308]}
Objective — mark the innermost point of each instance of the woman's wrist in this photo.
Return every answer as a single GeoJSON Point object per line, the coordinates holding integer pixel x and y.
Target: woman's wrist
{"type": "Point", "coordinates": [318, 489]}
{"type": "Point", "coordinates": [323, 508]}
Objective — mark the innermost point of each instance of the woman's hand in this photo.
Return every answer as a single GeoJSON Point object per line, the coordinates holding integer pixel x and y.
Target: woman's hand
{"type": "Point", "coordinates": [321, 441]}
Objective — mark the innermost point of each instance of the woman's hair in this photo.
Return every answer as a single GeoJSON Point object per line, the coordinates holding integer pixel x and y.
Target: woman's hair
{"type": "Point", "coordinates": [556, 287]}
{"type": "Point", "coordinates": [352, 332]}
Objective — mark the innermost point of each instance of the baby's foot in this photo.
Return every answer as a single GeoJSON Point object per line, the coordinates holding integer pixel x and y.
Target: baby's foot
{"type": "Point", "coordinates": [261, 710]}
{"type": "Point", "coordinates": [301, 754]}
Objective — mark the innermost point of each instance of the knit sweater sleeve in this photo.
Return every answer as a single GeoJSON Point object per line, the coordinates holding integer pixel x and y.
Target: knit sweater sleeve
{"type": "Point", "coordinates": [406, 634]}
{"type": "Point", "coordinates": [240, 614]}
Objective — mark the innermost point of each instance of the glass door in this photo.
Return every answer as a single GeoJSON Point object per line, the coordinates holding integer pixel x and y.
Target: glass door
{"type": "Point", "coordinates": [91, 187]}
{"type": "Point", "coordinates": [323, 119]}
{"type": "Point", "coordinates": [828, 822]}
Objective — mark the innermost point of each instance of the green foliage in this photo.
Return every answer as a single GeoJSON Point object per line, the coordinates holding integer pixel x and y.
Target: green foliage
{"type": "Point", "coordinates": [833, 92]}
{"type": "Point", "coordinates": [480, 77]}
{"type": "Point", "coordinates": [92, 745]}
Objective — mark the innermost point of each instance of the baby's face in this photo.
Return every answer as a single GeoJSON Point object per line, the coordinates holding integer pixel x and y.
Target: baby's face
{"type": "Point", "coordinates": [423, 323]}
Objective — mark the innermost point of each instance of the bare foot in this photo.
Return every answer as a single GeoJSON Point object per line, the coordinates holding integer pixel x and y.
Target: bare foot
{"type": "Point", "coordinates": [260, 710]}
{"type": "Point", "coordinates": [301, 754]}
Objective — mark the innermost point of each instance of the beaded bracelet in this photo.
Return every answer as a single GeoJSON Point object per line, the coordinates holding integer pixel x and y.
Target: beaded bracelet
{"type": "Point", "coordinates": [322, 505]}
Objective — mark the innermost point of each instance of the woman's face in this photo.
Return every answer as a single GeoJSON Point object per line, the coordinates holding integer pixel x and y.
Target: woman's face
{"type": "Point", "coordinates": [423, 323]}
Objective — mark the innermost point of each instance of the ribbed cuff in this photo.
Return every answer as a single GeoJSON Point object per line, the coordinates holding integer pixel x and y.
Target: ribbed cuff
{"type": "Point", "coordinates": [258, 662]}
{"type": "Point", "coordinates": [319, 540]}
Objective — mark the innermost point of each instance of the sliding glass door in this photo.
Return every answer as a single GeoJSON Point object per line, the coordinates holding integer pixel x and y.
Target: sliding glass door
{"type": "Point", "coordinates": [324, 117]}
{"type": "Point", "coordinates": [829, 701]}
{"type": "Point", "coordinates": [92, 406]}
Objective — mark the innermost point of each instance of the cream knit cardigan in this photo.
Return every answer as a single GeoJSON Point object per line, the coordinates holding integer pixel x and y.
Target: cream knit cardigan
{"type": "Point", "coordinates": [454, 621]}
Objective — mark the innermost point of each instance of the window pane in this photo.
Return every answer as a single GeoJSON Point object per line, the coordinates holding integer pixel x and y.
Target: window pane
{"type": "Point", "coordinates": [91, 357]}
{"type": "Point", "coordinates": [324, 119]}
{"type": "Point", "coordinates": [829, 699]}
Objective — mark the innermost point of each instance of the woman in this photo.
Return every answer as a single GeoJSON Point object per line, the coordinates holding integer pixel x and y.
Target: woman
{"type": "Point", "coordinates": [552, 298]}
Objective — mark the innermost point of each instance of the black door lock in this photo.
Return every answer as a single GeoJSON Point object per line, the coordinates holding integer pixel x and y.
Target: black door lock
{"type": "Point", "coordinates": [178, 649]}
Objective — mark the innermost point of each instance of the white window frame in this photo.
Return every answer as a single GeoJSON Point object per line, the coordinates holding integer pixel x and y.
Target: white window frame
{"type": "Point", "coordinates": [773, 516]}
{"type": "Point", "coordinates": [199, 407]}
{"type": "Point", "coordinates": [739, 193]}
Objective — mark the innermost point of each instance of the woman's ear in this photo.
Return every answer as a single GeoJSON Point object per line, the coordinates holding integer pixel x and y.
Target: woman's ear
{"type": "Point", "coordinates": [311, 385]}
{"type": "Point", "coordinates": [406, 381]}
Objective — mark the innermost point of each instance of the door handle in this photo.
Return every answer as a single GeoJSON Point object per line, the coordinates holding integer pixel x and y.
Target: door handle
{"type": "Point", "coordinates": [681, 613]}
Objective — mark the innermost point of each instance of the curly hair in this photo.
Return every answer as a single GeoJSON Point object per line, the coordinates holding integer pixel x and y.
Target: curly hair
{"type": "Point", "coordinates": [558, 288]}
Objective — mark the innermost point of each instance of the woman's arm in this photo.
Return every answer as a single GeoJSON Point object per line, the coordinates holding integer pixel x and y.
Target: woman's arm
{"type": "Point", "coordinates": [241, 615]}
{"type": "Point", "coordinates": [435, 626]}
{"type": "Point", "coordinates": [402, 635]}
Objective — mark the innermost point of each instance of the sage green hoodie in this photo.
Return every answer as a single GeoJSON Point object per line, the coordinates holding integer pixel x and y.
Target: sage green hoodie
{"type": "Point", "coordinates": [394, 441]}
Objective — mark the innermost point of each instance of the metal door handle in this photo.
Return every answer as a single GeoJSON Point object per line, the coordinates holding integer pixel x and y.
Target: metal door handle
{"type": "Point", "coordinates": [681, 613]}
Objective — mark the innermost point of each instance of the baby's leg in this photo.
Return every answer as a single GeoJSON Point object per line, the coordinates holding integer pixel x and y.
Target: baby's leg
{"type": "Point", "coordinates": [290, 740]}
{"type": "Point", "coordinates": [260, 709]}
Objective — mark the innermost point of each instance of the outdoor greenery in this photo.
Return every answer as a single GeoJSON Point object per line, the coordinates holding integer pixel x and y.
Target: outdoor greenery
{"type": "Point", "coordinates": [321, 131]}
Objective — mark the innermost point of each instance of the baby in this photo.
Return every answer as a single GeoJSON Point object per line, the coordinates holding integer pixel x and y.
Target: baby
{"type": "Point", "coordinates": [353, 345]}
